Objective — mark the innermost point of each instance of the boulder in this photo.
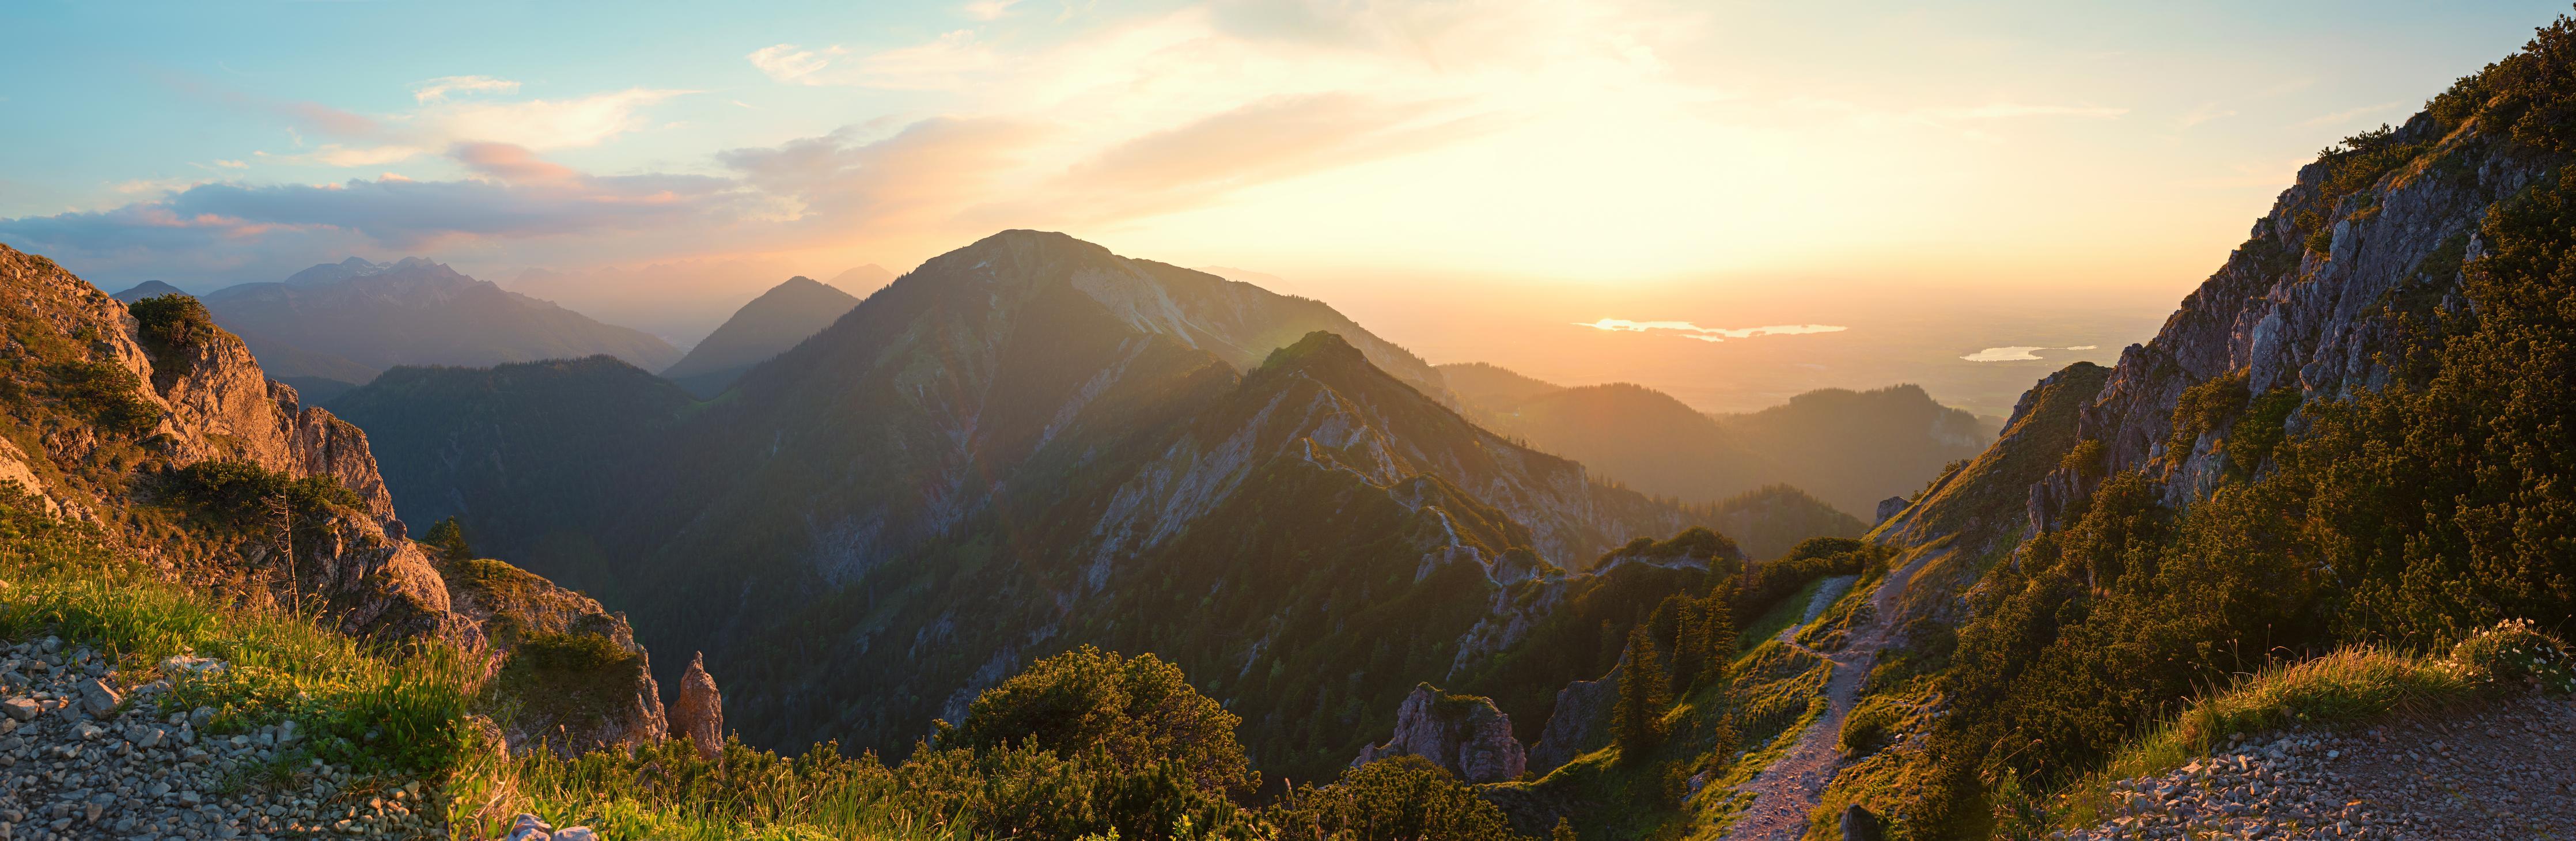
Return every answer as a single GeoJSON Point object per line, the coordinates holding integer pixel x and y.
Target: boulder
{"type": "Point", "coordinates": [1892, 506]}
{"type": "Point", "coordinates": [1860, 824]}
{"type": "Point", "coordinates": [1463, 733]}
{"type": "Point", "coordinates": [698, 713]}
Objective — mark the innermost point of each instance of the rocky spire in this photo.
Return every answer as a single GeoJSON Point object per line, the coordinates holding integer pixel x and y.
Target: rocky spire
{"type": "Point", "coordinates": [698, 714]}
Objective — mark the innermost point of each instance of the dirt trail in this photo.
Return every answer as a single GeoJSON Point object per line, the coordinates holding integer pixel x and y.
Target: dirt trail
{"type": "Point", "coordinates": [1786, 791]}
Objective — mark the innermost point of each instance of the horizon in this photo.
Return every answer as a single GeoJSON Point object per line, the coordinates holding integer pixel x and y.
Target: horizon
{"type": "Point", "coordinates": [1456, 177]}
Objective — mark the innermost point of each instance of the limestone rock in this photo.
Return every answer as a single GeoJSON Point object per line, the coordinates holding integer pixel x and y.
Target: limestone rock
{"type": "Point", "coordinates": [2288, 317]}
{"type": "Point", "coordinates": [1892, 506]}
{"type": "Point", "coordinates": [1463, 733]}
{"type": "Point", "coordinates": [698, 713]}
{"type": "Point", "coordinates": [1581, 723]}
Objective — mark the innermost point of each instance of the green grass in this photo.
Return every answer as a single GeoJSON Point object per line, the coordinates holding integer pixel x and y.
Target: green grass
{"type": "Point", "coordinates": [372, 707]}
{"type": "Point", "coordinates": [667, 792]}
{"type": "Point", "coordinates": [1779, 617]}
{"type": "Point", "coordinates": [2349, 686]}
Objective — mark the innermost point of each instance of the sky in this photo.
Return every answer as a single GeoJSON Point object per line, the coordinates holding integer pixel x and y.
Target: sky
{"type": "Point", "coordinates": [1725, 165]}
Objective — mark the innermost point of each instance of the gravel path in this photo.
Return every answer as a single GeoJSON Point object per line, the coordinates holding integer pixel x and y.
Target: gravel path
{"type": "Point", "coordinates": [2505, 772]}
{"type": "Point", "coordinates": [82, 756]}
{"type": "Point", "coordinates": [1786, 791]}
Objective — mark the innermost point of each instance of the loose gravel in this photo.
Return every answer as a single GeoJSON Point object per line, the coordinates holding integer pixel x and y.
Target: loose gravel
{"type": "Point", "coordinates": [2505, 772]}
{"type": "Point", "coordinates": [84, 756]}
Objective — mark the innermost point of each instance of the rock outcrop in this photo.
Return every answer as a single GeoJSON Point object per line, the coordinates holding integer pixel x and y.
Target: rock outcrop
{"type": "Point", "coordinates": [1890, 507]}
{"type": "Point", "coordinates": [698, 713]}
{"type": "Point", "coordinates": [207, 400]}
{"type": "Point", "coordinates": [2318, 301]}
{"type": "Point", "coordinates": [1463, 733]}
{"type": "Point", "coordinates": [1580, 724]}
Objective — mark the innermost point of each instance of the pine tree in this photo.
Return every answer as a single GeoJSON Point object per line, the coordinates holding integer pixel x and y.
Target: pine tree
{"type": "Point", "coordinates": [1690, 646]}
{"type": "Point", "coordinates": [1637, 720]}
{"type": "Point", "coordinates": [447, 540]}
{"type": "Point", "coordinates": [1717, 627]}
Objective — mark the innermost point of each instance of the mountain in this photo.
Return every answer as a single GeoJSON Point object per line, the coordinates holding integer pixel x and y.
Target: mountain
{"type": "Point", "coordinates": [1855, 448]}
{"type": "Point", "coordinates": [861, 280]}
{"type": "Point", "coordinates": [679, 301]}
{"type": "Point", "coordinates": [151, 440]}
{"type": "Point", "coordinates": [146, 289]}
{"type": "Point", "coordinates": [770, 324]}
{"type": "Point", "coordinates": [413, 312]}
{"type": "Point", "coordinates": [1852, 449]}
{"type": "Point", "coordinates": [1025, 445]}
{"type": "Point", "coordinates": [534, 437]}
{"type": "Point", "coordinates": [2347, 445]}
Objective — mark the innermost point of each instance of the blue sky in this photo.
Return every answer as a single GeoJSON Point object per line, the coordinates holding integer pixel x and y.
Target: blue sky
{"type": "Point", "coordinates": [2119, 145]}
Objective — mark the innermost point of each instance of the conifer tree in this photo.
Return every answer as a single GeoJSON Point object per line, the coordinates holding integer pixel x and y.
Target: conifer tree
{"type": "Point", "coordinates": [1637, 720]}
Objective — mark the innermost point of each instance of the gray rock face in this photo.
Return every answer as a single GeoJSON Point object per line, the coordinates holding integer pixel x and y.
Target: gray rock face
{"type": "Point", "coordinates": [698, 713]}
{"type": "Point", "coordinates": [1581, 723]}
{"type": "Point", "coordinates": [1891, 506]}
{"type": "Point", "coordinates": [2290, 317]}
{"type": "Point", "coordinates": [1464, 734]}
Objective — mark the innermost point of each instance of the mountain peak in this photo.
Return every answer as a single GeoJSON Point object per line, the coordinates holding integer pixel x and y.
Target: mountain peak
{"type": "Point", "coordinates": [1318, 348]}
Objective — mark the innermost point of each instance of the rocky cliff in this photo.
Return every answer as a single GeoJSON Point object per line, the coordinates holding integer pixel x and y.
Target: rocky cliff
{"type": "Point", "coordinates": [2327, 297]}
{"type": "Point", "coordinates": [111, 420]}
{"type": "Point", "coordinates": [1463, 733]}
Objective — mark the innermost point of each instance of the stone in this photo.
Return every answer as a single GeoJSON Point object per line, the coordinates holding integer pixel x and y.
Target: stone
{"type": "Point", "coordinates": [1463, 733]}
{"type": "Point", "coordinates": [21, 709]}
{"type": "Point", "coordinates": [1860, 824]}
{"type": "Point", "coordinates": [1890, 507]}
{"type": "Point", "coordinates": [97, 698]}
{"type": "Point", "coordinates": [188, 665]}
{"type": "Point", "coordinates": [698, 713]}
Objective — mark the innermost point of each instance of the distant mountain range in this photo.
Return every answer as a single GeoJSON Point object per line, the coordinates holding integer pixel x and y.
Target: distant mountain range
{"type": "Point", "coordinates": [1851, 449]}
{"type": "Point", "coordinates": [681, 301]}
{"type": "Point", "coordinates": [766, 327]}
{"type": "Point", "coordinates": [1023, 445]}
{"type": "Point", "coordinates": [335, 325]}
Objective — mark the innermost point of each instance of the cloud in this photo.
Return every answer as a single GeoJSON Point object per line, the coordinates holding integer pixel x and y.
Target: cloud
{"type": "Point", "coordinates": [1268, 140]}
{"type": "Point", "coordinates": [921, 174]}
{"type": "Point", "coordinates": [207, 227]}
{"type": "Point", "coordinates": [948, 61]}
{"type": "Point", "coordinates": [1708, 334]}
{"type": "Point", "coordinates": [2017, 353]}
{"type": "Point", "coordinates": [989, 9]}
{"type": "Point", "coordinates": [437, 89]}
{"type": "Point", "coordinates": [543, 123]}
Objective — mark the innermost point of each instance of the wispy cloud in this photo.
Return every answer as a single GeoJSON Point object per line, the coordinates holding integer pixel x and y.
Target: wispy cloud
{"type": "Point", "coordinates": [947, 61]}
{"type": "Point", "coordinates": [1708, 334]}
{"type": "Point", "coordinates": [989, 9]}
{"type": "Point", "coordinates": [437, 89]}
{"type": "Point", "coordinates": [2017, 353]}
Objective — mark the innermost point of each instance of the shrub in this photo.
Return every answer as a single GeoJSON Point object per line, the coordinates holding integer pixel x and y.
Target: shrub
{"type": "Point", "coordinates": [172, 325]}
{"type": "Point", "coordinates": [2516, 652]}
{"type": "Point", "coordinates": [243, 496]}
{"type": "Point", "coordinates": [2085, 459]}
{"type": "Point", "coordinates": [1394, 799]}
{"type": "Point", "coordinates": [1140, 711]}
{"type": "Point", "coordinates": [108, 394]}
{"type": "Point", "coordinates": [1870, 727]}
